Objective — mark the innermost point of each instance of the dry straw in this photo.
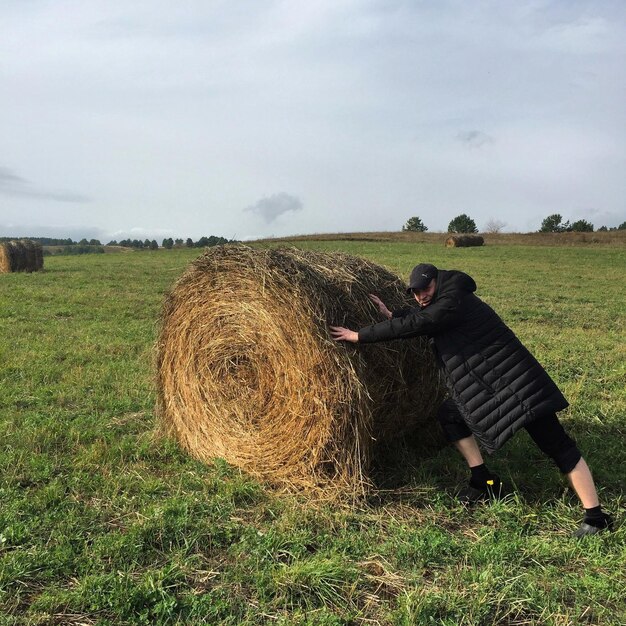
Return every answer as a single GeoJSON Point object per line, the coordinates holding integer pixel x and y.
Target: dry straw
{"type": "Point", "coordinates": [20, 256]}
{"type": "Point", "coordinates": [247, 371]}
{"type": "Point", "coordinates": [464, 241]}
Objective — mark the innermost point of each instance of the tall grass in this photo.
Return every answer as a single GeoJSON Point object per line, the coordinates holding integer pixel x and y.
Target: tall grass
{"type": "Point", "coordinates": [101, 522]}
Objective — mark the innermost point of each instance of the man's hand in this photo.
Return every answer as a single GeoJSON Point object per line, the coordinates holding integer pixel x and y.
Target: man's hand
{"type": "Point", "coordinates": [339, 333]}
{"type": "Point", "coordinates": [381, 306]}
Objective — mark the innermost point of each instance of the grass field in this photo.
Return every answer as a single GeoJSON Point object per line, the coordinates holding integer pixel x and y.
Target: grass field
{"type": "Point", "coordinates": [101, 522]}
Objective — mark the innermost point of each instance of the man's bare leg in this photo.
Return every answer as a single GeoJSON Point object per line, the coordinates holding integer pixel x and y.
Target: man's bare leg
{"type": "Point", "coordinates": [470, 451]}
{"type": "Point", "coordinates": [582, 482]}
{"type": "Point", "coordinates": [483, 484]}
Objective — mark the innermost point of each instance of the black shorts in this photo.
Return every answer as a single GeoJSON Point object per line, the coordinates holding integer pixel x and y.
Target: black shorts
{"type": "Point", "coordinates": [547, 432]}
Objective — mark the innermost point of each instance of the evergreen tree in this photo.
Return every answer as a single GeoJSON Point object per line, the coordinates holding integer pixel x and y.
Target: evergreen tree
{"type": "Point", "coordinates": [553, 224]}
{"type": "Point", "coordinates": [462, 224]}
{"type": "Point", "coordinates": [415, 224]}
{"type": "Point", "coordinates": [582, 226]}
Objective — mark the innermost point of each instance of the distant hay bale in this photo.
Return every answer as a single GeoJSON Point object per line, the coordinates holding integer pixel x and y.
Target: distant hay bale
{"type": "Point", "coordinates": [20, 261]}
{"type": "Point", "coordinates": [20, 256]}
{"type": "Point", "coordinates": [464, 241]}
{"type": "Point", "coordinates": [30, 255]}
{"type": "Point", "coordinates": [247, 371]}
{"type": "Point", "coordinates": [5, 258]}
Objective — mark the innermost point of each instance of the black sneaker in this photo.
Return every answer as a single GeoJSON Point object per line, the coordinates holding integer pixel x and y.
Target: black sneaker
{"type": "Point", "coordinates": [586, 528]}
{"type": "Point", "coordinates": [492, 490]}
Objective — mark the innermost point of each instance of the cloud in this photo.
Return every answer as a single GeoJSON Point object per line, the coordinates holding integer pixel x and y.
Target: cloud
{"type": "Point", "coordinates": [13, 185]}
{"type": "Point", "coordinates": [276, 205]}
{"type": "Point", "coordinates": [474, 138]}
{"type": "Point", "coordinates": [142, 233]}
{"type": "Point", "coordinates": [7, 177]}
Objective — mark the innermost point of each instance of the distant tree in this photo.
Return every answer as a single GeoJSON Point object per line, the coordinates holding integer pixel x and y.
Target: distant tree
{"type": "Point", "coordinates": [462, 224]}
{"type": "Point", "coordinates": [94, 242]}
{"type": "Point", "coordinates": [112, 243]}
{"type": "Point", "coordinates": [554, 224]}
{"type": "Point", "coordinates": [494, 226]}
{"type": "Point", "coordinates": [415, 224]}
{"type": "Point", "coordinates": [146, 244]}
{"type": "Point", "coordinates": [44, 241]}
{"type": "Point", "coordinates": [154, 245]}
{"type": "Point", "coordinates": [189, 242]}
{"type": "Point", "coordinates": [622, 226]}
{"type": "Point", "coordinates": [178, 243]}
{"type": "Point", "coordinates": [582, 226]}
{"type": "Point", "coordinates": [168, 243]}
{"type": "Point", "coordinates": [83, 242]}
{"type": "Point", "coordinates": [207, 242]}
{"type": "Point", "coordinates": [602, 229]}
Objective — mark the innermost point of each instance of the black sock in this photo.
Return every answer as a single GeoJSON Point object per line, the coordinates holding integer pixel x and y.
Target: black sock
{"type": "Point", "coordinates": [595, 516]}
{"type": "Point", "coordinates": [480, 476]}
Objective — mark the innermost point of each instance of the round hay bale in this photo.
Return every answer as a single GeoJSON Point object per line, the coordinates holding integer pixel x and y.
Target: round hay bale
{"type": "Point", "coordinates": [18, 256]}
{"type": "Point", "coordinates": [24, 255]}
{"type": "Point", "coordinates": [464, 241]}
{"type": "Point", "coordinates": [247, 371]}
{"type": "Point", "coordinates": [38, 256]}
{"type": "Point", "coordinates": [30, 255]}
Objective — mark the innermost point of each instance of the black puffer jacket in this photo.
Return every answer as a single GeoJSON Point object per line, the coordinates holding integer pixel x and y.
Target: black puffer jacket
{"type": "Point", "coordinates": [496, 383]}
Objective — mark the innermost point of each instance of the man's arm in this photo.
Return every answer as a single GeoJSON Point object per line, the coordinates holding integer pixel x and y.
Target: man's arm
{"type": "Point", "coordinates": [416, 322]}
{"type": "Point", "coordinates": [340, 333]}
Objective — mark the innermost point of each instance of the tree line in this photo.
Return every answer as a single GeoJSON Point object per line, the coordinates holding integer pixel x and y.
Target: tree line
{"type": "Point", "coordinates": [552, 224]}
{"type": "Point", "coordinates": [85, 246]}
{"type": "Point", "coordinates": [170, 243]}
{"type": "Point", "coordinates": [51, 241]}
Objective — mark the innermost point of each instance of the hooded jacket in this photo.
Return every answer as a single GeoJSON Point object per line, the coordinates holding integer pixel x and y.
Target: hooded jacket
{"type": "Point", "coordinates": [498, 386]}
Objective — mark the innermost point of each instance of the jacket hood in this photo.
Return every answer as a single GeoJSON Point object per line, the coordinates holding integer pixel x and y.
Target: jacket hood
{"type": "Point", "coordinates": [451, 281]}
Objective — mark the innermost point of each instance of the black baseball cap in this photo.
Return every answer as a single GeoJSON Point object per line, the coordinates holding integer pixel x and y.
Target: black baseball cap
{"type": "Point", "coordinates": [421, 276]}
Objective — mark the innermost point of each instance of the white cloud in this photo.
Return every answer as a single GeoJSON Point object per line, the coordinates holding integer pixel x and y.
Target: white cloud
{"type": "Point", "coordinates": [274, 206]}
{"type": "Point", "coordinates": [474, 138]}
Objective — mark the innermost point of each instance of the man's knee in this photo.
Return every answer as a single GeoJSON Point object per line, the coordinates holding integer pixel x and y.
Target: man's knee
{"type": "Point", "coordinates": [452, 422]}
{"type": "Point", "coordinates": [553, 441]}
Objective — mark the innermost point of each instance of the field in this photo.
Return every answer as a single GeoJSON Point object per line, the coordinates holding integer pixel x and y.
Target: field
{"type": "Point", "coordinates": [103, 522]}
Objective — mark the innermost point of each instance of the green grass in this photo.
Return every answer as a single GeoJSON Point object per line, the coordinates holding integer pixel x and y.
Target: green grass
{"type": "Point", "coordinates": [101, 522]}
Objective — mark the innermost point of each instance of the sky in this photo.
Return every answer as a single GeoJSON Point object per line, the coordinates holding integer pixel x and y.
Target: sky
{"type": "Point", "coordinates": [259, 118]}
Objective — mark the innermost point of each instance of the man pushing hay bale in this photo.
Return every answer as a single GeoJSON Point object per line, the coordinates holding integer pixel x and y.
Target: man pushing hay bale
{"type": "Point", "coordinates": [247, 370]}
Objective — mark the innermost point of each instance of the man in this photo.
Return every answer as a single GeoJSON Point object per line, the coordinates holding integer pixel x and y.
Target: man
{"type": "Point", "coordinates": [495, 385]}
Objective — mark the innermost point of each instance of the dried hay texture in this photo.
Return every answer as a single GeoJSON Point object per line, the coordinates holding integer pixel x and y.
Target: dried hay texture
{"type": "Point", "coordinates": [20, 256]}
{"type": "Point", "coordinates": [5, 258]}
{"type": "Point", "coordinates": [464, 241]}
{"type": "Point", "coordinates": [247, 371]}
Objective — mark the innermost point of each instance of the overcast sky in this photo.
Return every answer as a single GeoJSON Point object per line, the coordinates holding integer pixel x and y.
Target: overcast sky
{"type": "Point", "coordinates": [255, 118]}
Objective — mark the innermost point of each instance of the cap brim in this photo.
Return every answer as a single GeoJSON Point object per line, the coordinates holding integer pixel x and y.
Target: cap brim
{"type": "Point", "coordinates": [418, 286]}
